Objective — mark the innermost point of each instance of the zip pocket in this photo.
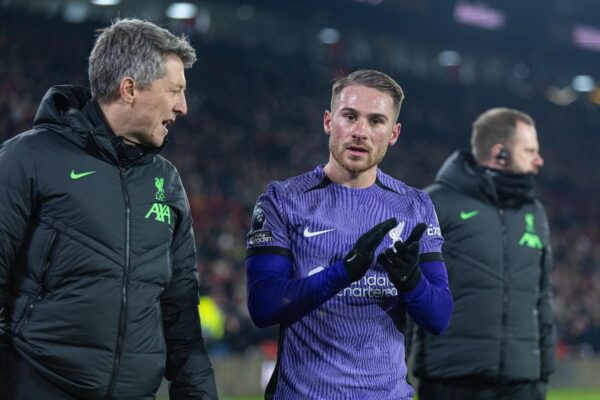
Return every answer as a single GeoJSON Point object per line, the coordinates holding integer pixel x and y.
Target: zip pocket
{"type": "Point", "coordinates": [48, 259]}
{"type": "Point", "coordinates": [42, 290]}
{"type": "Point", "coordinates": [30, 306]}
{"type": "Point", "coordinates": [169, 267]}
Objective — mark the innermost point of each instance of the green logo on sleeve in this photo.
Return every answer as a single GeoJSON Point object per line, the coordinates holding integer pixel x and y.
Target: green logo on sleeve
{"type": "Point", "coordinates": [529, 238]}
{"type": "Point", "coordinates": [79, 175]}
{"type": "Point", "coordinates": [465, 215]}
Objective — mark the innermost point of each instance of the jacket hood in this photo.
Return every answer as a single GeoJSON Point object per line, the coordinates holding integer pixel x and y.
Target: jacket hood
{"type": "Point", "coordinates": [61, 107]}
{"type": "Point", "coordinates": [458, 171]}
{"type": "Point", "coordinates": [70, 111]}
{"type": "Point", "coordinates": [461, 172]}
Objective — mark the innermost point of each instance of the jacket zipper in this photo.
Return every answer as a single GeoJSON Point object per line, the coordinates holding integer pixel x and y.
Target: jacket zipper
{"type": "Point", "coordinates": [123, 314]}
{"type": "Point", "coordinates": [505, 282]}
{"type": "Point", "coordinates": [41, 292]}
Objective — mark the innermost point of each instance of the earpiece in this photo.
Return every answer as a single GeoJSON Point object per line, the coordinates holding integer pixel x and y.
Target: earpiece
{"type": "Point", "coordinates": [502, 155]}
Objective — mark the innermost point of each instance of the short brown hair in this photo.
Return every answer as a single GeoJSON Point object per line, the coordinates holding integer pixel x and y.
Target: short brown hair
{"type": "Point", "coordinates": [496, 125]}
{"type": "Point", "coordinates": [369, 78]}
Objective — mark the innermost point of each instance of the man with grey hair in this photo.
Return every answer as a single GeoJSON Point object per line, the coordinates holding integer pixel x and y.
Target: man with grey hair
{"type": "Point", "coordinates": [98, 280]}
{"type": "Point", "coordinates": [500, 341]}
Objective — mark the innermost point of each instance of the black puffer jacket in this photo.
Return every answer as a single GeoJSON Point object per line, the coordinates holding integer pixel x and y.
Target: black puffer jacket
{"type": "Point", "coordinates": [498, 256]}
{"type": "Point", "coordinates": [97, 261]}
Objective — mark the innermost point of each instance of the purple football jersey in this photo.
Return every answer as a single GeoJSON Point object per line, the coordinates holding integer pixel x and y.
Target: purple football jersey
{"type": "Point", "coordinates": [351, 347]}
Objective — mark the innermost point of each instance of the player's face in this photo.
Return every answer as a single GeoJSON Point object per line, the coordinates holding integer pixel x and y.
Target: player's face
{"type": "Point", "coordinates": [525, 155]}
{"type": "Point", "coordinates": [361, 126]}
{"type": "Point", "coordinates": [157, 106]}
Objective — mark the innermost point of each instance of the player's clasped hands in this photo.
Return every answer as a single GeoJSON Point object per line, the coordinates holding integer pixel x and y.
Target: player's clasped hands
{"type": "Point", "coordinates": [401, 262]}
{"type": "Point", "coordinates": [358, 261]}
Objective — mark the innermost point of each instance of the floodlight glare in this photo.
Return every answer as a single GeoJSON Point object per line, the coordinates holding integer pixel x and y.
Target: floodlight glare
{"type": "Point", "coordinates": [329, 36]}
{"type": "Point", "coordinates": [449, 58]}
{"type": "Point", "coordinates": [105, 2]}
{"type": "Point", "coordinates": [182, 11]}
{"type": "Point", "coordinates": [75, 12]}
{"type": "Point", "coordinates": [583, 83]}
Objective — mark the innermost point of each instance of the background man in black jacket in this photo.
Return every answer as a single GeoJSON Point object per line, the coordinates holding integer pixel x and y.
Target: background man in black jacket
{"type": "Point", "coordinates": [500, 342]}
{"type": "Point", "coordinates": [98, 281]}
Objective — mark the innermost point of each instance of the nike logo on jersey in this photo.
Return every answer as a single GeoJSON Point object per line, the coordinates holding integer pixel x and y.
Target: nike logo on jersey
{"type": "Point", "coordinates": [75, 175]}
{"type": "Point", "coordinates": [465, 215]}
{"type": "Point", "coordinates": [308, 233]}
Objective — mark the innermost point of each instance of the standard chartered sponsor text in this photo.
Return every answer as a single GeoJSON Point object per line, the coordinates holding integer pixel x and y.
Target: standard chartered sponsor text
{"type": "Point", "coordinates": [370, 286]}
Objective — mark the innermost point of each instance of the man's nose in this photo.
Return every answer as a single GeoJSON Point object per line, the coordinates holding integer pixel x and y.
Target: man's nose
{"type": "Point", "coordinates": [181, 105]}
{"type": "Point", "coordinates": [359, 129]}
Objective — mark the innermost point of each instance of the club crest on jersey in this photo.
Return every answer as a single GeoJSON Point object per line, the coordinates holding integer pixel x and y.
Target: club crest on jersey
{"type": "Point", "coordinates": [396, 233]}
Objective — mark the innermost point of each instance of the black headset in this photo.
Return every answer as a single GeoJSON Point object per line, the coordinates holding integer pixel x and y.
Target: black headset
{"type": "Point", "coordinates": [502, 155]}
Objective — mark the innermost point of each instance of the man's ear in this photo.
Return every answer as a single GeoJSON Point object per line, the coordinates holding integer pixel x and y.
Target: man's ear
{"type": "Point", "coordinates": [395, 133]}
{"type": "Point", "coordinates": [127, 89]}
{"type": "Point", "coordinates": [497, 157]}
{"type": "Point", "coordinates": [499, 153]}
{"type": "Point", "coordinates": [327, 122]}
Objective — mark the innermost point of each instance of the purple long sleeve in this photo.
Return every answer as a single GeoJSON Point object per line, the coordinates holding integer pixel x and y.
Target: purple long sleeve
{"type": "Point", "coordinates": [430, 303]}
{"type": "Point", "coordinates": [275, 297]}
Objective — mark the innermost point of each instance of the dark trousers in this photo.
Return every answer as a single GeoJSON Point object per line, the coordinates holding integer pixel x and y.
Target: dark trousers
{"type": "Point", "coordinates": [465, 389]}
{"type": "Point", "coordinates": [18, 381]}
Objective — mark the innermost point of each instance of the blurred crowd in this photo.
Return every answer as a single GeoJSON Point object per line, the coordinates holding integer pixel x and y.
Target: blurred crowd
{"type": "Point", "coordinates": [255, 116]}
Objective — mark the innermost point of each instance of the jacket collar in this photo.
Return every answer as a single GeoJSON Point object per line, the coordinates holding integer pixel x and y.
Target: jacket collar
{"type": "Point", "coordinates": [464, 174]}
{"type": "Point", "coordinates": [71, 111]}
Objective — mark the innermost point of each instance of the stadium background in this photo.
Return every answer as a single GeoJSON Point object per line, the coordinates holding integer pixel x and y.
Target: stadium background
{"type": "Point", "coordinates": [256, 99]}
